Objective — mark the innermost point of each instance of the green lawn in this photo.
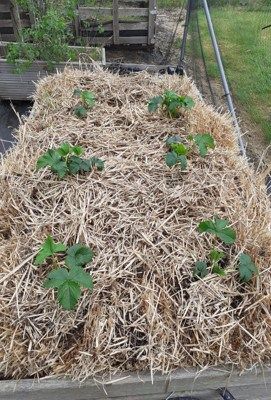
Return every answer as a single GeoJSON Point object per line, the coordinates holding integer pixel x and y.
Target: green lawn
{"type": "Point", "coordinates": [246, 53]}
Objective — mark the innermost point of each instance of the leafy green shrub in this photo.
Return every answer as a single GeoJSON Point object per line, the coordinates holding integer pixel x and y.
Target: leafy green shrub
{"type": "Point", "coordinates": [66, 279]}
{"type": "Point", "coordinates": [48, 40]}
{"type": "Point", "coordinates": [66, 160]}
{"type": "Point", "coordinates": [171, 103]}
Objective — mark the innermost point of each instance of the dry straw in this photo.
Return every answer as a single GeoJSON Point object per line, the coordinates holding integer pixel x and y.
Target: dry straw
{"type": "Point", "coordinates": [140, 218]}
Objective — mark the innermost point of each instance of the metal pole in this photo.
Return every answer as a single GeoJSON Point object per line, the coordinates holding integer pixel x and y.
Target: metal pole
{"type": "Point", "coordinates": [223, 77]}
{"type": "Point", "coordinates": [185, 33]}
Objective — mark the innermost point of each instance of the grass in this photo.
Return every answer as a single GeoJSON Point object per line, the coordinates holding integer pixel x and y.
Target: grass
{"type": "Point", "coordinates": [246, 53]}
{"type": "Point", "coordinates": [170, 3]}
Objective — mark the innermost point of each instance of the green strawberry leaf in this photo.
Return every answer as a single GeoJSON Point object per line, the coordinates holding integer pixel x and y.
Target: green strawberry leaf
{"type": "Point", "coordinates": [48, 249]}
{"type": "Point", "coordinates": [201, 269]}
{"type": "Point", "coordinates": [154, 103]}
{"type": "Point", "coordinates": [80, 276]}
{"type": "Point", "coordinates": [60, 168]}
{"type": "Point", "coordinates": [77, 92]}
{"type": "Point", "coordinates": [78, 255]}
{"type": "Point", "coordinates": [172, 140]}
{"type": "Point", "coordinates": [77, 164]}
{"type": "Point", "coordinates": [204, 142]}
{"type": "Point", "coordinates": [219, 228]}
{"type": "Point", "coordinates": [171, 159]}
{"type": "Point", "coordinates": [182, 160]}
{"type": "Point", "coordinates": [78, 150]}
{"type": "Point", "coordinates": [88, 98]}
{"type": "Point", "coordinates": [64, 150]}
{"type": "Point", "coordinates": [48, 159]}
{"type": "Point", "coordinates": [98, 163]}
{"type": "Point", "coordinates": [218, 270]}
{"type": "Point", "coordinates": [179, 148]}
{"type": "Point", "coordinates": [80, 112]}
{"type": "Point", "coordinates": [247, 268]}
{"type": "Point", "coordinates": [56, 278]}
{"type": "Point", "coordinates": [216, 255]}
{"type": "Point", "coordinates": [68, 294]}
{"type": "Point", "coordinates": [188, 102]}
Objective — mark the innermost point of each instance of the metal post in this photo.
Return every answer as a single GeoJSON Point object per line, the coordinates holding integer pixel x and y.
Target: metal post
{"type": "Point", "coordinates": [185, 33]}
{"type": "Point", "coordinates": [223, 77]}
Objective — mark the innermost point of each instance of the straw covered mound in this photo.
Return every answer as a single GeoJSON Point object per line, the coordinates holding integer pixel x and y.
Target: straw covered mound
{"type": "Point", "coordinates": [146, 312]}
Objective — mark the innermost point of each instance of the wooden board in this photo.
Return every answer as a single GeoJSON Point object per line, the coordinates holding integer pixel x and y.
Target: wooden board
{"type": "Point", "coordinates": [22, 87]}
{"type": "Point", "coordinates": [204, 385]}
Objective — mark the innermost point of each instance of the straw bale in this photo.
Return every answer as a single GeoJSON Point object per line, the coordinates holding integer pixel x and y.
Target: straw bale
{"type": "Point", "coordinates": [146, 312]}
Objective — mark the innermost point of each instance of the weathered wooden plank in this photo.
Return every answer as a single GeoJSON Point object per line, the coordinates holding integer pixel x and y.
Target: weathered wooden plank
{"type": "Point", "coordinates": [4, 7]}
{"type": "Point", "coordinates": [152, 18]}
{"type": "Point", "coordinates": [88, 12]}
{"type": "Point", "coordinates": [123, 26]}
{"type": "Point", "coordinates": [134, 387]}
{"type": "Point", "coordinates": [116, 27]}
{"type": "Point", "coordinates": [8, 23]}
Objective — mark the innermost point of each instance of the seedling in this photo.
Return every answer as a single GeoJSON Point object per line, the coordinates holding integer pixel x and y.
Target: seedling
{"type": "Point", "coordinates": [247, 268]}
{"type": "Point", "coordinates": [68, 280]}
{"type": "Point", "coordinates": [87, 101]}
{"type": "Point", "coordinates": [178, 153]}
{"type": "Point", "coordinates": [66, 160]}
{"type": "Point", "coordinates": [204, 141]}
{"type": "Point", "coordinates": [171, 102]}
{"type": "Point", "coordinates": [214, 263]}
{"type": "Point", "coordinates": [219, 228]}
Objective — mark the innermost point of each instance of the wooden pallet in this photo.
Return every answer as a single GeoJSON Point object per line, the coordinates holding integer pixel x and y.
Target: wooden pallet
{"type": "Point", "coordinates": [126, 22]}
{"type": "Point", "coordinates": [202, 385]}
{"type": "Point", "coordinates": [123, 23]}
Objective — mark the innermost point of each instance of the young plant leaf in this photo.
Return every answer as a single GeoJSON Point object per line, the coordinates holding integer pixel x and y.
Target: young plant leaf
{"type": "Point", "coordinates": [218, 270]}
{"type": "Point", "coordinates": [78, 255]}
{"type": "Point", "coordinates": [64, 150]}
{"type": "Point", "coordinates": [77, 92]}
{"type": "Point", "coordinates": [48, 249]}
{"type": "Point", "coordinates": [188, 102]}
{"type": "Point", "coordinates": [48, 159]}
{"type": "Point", "coordinates": [78, 150]}
{"type": "Point", "coordinates": [171, 159]}
{"type": "Point", "coordinates": [247, 268]}
{"type": "Point", "coordinates": [80, 112]}
{"type": "Point", "coordinates": [204, 142]}
{"type": "Point", "coordinates": [56, 278]}
{"type": "Point", "coordinates": [77, 164]}
{"type": "Point", "coordinates": [182, 160]}
{"type": "Point", "coordinates": [68, 294]}
{"type": "Point", "coordinates": [154, 103]}
{"type": "Point", "coordinates": [201, 269]}
{"type": "Point", "coordinates": [88, 98]}
{"type": "Point", "coordinates": [216, 255]}
{"type": "Point", "coordinates": [98, 163]}
{"type": "Point", "coordinates": [179, 148]}
{"type": "Point", "coordinates": [172, 140]}
{"type": "Point", "coordinates": [80, 276]}
{"type": "Point", "coordinates": [218, 227]}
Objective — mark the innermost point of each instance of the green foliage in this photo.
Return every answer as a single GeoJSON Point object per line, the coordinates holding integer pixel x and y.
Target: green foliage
{"type": "Point", "coordinates": [171, 102]}
{"type": "Point", "coordinates": [78, 255]}
{"type": "Point", "coordinates": [47, 40]}
{"type": "Point", "coordinates": [87, 101]}
{"type": "Point", "coordinates": [178, 153]}
{"type": "Point", "coordinates": [67, 281]}
{"type": "Point", "coordinates": [216, 257]}
{"type": "Point", "coordinates": [65, 160]}
{"type": "Point", "coordinates": [200, 270]}
{"type": "Point", "coordinates": [48, 249]}
{"type": "Point", "coordinates": [204, 141]}
{"type": "Point", "coordinates": [247, 268]}
{"type": "Point", "coordinates": [218, 227]}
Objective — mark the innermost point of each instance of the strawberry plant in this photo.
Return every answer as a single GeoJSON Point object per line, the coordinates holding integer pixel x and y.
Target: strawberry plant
{"type": "Point", "coordinates": [67, 279]}
{"type": "Point", "coordinates": [204, 141]}
{"type": "Point", "coordinates": [213, 264]}
{"type": "Point", "coordinates": [247, 268]}
{"type": "Point", "coordinates": [66, 160]}
{"type": "Point", "coordinates": [219, 228]}
{"type": "Point", "coordinates": [177, 154]}
{"type": "Point", "coordinates": [87, 101]}
{"type": "Point", "coordinates": [171, 103]}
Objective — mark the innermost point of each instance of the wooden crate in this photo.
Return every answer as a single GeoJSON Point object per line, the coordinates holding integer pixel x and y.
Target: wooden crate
{"type": "Point", "coordinates": [202, 385]}
{"type": "Point", "coordinates": [123, 23]}
{"type": "Point", "coordinates": [12, 20]}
